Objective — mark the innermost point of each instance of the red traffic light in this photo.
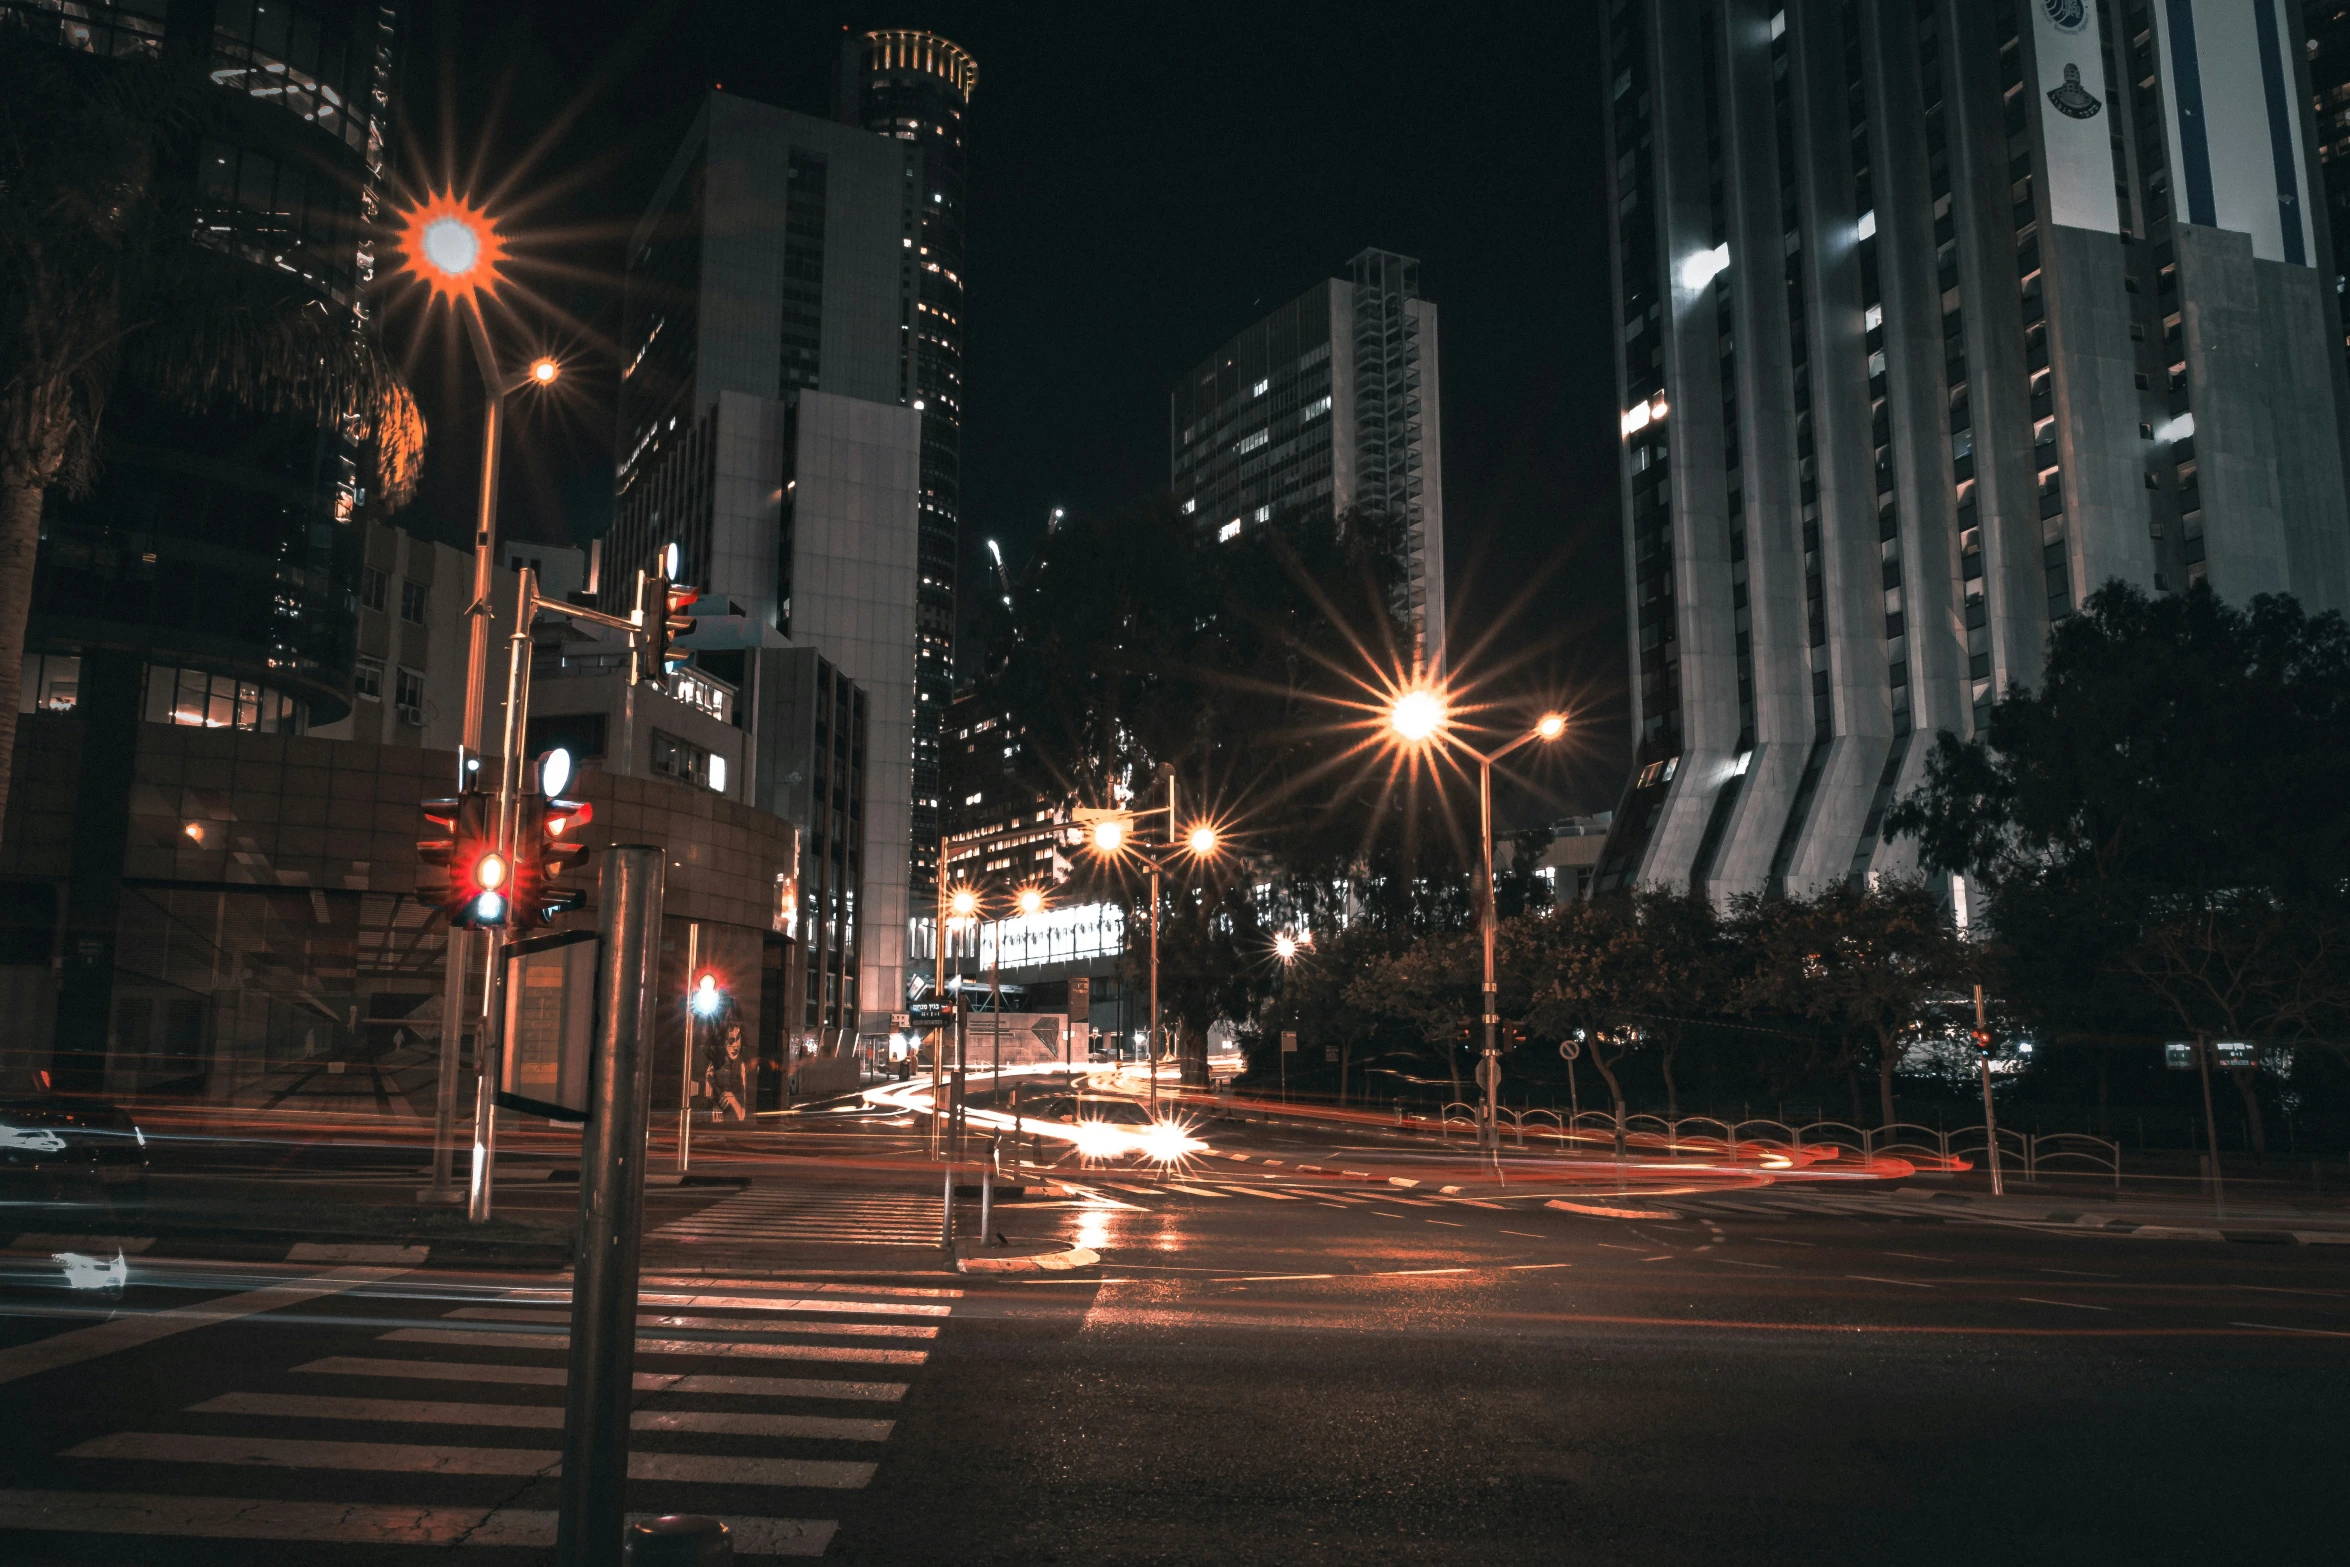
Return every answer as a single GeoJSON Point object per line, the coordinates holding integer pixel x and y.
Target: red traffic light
{"type": "Point", "coordinates": [547, 845]}
{"type": "Point", "coordinates": [666, 620]}
{"type": "Point", "coordinates": [463, 874]}
{"type": "Point", "coordinates": [1982, 1039]}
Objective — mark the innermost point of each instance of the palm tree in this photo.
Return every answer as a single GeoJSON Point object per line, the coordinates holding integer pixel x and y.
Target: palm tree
{"type": "Point", "coordinates": [106, 282]}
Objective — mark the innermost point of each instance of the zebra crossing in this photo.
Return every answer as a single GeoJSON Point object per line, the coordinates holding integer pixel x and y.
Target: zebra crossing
{"type": "Point", "coordinates": [837, 1216]}
{"type": "Point", "coordinates": [446, 1432]}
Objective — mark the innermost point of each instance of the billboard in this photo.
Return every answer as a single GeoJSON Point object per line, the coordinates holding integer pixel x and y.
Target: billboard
{"type": "Point", "coordinates": [2076, 127]}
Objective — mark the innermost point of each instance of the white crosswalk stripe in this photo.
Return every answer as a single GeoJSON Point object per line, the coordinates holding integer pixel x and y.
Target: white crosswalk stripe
{"type": "Point", "coordinates": [836, 1216]}
{"type": "Point", "coordinates": [706, 1429]}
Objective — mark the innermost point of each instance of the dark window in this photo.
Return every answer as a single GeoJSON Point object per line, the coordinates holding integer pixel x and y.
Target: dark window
{"type": "Point", "coordinates": [371, 589]}
{"type": "Point", "coordinates": [582, 734]}
{"type": "Point", "coordinates": [412, 597]}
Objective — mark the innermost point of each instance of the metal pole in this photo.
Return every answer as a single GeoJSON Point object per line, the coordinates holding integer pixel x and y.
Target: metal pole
{"type": "Point", "coordinates": [1154, 1046]}
{"type": "Point", "coordinates": [946, 1210]}
{"type": "Point", "coordinates": [995, 990]}
{"type": "Point", "coordinates": [490, 1045]}
{"type": "Point", "coordinates": [592, 1489]}
{"type": "Point", "coordinates": [685, 1070]}
{"type": "Point", "coordinates": [444, 1112]}
{"type": "Point", "coordinates": [477, 661]}
{"type": "Point", "coordinates": [1990, 1121]}
{"type": "Point", "coordinates": [1485, 922]}
{"type": "Point", "coordinates": [2219, 1195]}
{"type": "Point", "coordinates": [485, 1087]}
{"type": "Point", "coordinates": [938, 982]}
{"type": "Point", "coordinates": [987, 1194]}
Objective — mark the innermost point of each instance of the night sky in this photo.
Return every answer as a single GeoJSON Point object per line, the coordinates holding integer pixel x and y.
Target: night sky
{"type": "Point", "coordinates": [1143, 184]}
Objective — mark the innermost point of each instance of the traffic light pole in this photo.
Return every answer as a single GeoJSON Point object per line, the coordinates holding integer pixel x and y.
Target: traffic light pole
{"type": "Point", "coordinates": [488, 1045]}
{"type": "Point", "coordinates": [1990, 1120]}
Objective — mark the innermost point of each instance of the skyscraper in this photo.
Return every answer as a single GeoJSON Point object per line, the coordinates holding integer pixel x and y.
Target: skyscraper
{"type": "Point", "coordinates": [2328, 22]}
{"type": "Point", "coordinates": [1328, 404]}
{"type": "Point", "coordinates": [914, 87]}
{"type": "Point", "coordinates": [765, 431]}
{"type": "Point", "coordinates": [1933, 316]}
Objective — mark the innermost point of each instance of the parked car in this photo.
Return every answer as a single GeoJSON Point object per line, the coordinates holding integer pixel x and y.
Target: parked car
{"type": "Point", "coordinates": [65, 1148]}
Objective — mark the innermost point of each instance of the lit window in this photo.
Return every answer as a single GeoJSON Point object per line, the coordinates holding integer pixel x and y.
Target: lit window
{"type": "Point", "coordinates": [1866, 228]}
{"type": "Point", "coordinates": [1703, 267]}
{"type": "Point", "coordinates": [1264, 514]}
{"type": "Point", "coordinates": [1190, 506]}
{"type": "Point", "coordinates": [1262, 388]}
{"type": "Point", "coordinates": [1249, 443]}
{"type": "Point", "coordinates": [1315, 409]}
{"type": "Point", "coordinates": [718, 773]}
{"type": "Point", "coordinates": [973, 799]}
{"type": "Point", "coordinates": [1872, 318]}
{"type": "Point", "coordinates": [1778, 24]}
{"type": "Point", "coordinates": [1228, 532]}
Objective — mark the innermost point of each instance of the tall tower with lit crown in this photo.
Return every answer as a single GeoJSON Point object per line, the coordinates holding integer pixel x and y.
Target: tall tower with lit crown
{"type": "Point", "coordinates": [915, 87]}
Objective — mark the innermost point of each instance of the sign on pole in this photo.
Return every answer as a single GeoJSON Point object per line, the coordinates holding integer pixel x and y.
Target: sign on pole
{"type": "Point", "coordinates": [550, 1025]}
{"type": "Point", "coordinates": [1569, 1050]}
{"type": "Point", "coordinates": [1330, 1054]}
{"type": "Point", "coordinates": [1289, 1041]}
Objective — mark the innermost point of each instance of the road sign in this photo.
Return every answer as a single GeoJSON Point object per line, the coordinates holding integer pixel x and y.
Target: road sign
{"type": "Point", "coordinates": [901, 1021]}
{"type": "Point", "coordinates": [1330, 1054]}
{"type": "Point", "coordinates": [1488, 1069]}
{"type": "Point", "coordinates": [1569, 1050]}
{"type": "Point", "coordinates": [2179, 1055]}
{"type": "Point", "coordinates": [1289, 1041]}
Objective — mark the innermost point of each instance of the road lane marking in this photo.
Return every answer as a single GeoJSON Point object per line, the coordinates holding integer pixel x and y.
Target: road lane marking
{"type": "Point", "coordinates": [306, 1406]}
{"type": "Point", "coordinates": [1271, 1278]}
{"type": "Point", "coordinates": [1478, 1202]}
{"type": "Point", "coordinates": [1527, 1267]}
{"type": "Point", "coordinates": [106, 1338]}
{"type": "Point", "coordinates": [1193, 1191]}
{"type": "Point", "coordinates": [1735, 1263]}
{"type": "Point", "coordinates": [645, 1381]}
{"type": "Point", "coordinates": [1913, 1256]}
{"type": "Point", "coordinates": [714, 1324]}
{"type": "Point", "coordinates": [1397, 1273]}
{"type": "Point", "coordinates": [1526, 1235]}
{"type": "Point", "coordinates": [1660, 1257]}
{"type": "Point", "coordinates": [1139, 1191]}
{"type": "Point", "coordinates": [2073, 1304]}
{"type": "Point", "coordinates": [2274, 1327]}
{"type": "Point", "coordinates": [1872, 1278]}
{"type": "Point", "coordinates": [1776, 1241]}
{"type": "Point", "coordinates": [1251, 1191]}
{"type": "Point", "coordinates": [345, 1523]}
{"type": "Point", "coordinates": [1447, 1223]}
{"type": "Point", "coordinates": [2079, 1274]}
{"type": "Point", "coordinates": [1376, 1212]}
{"type": "Point", "coordinates": [847, 1308]}
{"type": "Point", "coordinates": [1612, 1246]}
{"type": "Point", "coordinates": [431, 1458]}
{"type": "Point", "coordinates": [723, 1348]}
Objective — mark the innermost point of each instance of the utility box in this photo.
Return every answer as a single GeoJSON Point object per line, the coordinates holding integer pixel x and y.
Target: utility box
{"type": "Point", "coordinates": [550, 1025]}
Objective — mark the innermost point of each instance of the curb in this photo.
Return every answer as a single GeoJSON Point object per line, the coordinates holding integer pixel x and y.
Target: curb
{"type": "Point", "coordinates": [1049, 1262]}
{"type": "Point", "coordinates": [2096, 1224]}
{"type": "Point", "coordinates": [1597, 1211]}
{"type": "Point", "coordinates": [232, 1249]}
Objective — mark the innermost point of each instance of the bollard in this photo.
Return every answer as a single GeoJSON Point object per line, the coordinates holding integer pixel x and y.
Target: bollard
{"type": "Point", "coordinates": [987, 1193]}
{"type": "Point", "coordinates": [679, 1540]}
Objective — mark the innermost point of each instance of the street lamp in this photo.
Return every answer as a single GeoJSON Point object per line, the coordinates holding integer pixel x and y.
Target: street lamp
{"type": "Point", "coordinates": [1111, 833]}
{"type": "Point", "coordinates": [1420, 716]}
{"type": "Point", "coordinates": [454, 248]}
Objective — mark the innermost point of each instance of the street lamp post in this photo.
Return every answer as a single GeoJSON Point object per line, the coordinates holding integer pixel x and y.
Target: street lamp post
{"type": "Point", "coordinates": [1420, 716]}
{"type": "Point", "coordinates": [1111, 834]}
{"type": "Point", "coordinates": [455, 249]}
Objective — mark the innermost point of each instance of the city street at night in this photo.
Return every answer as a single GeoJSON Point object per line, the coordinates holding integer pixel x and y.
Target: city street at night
{"type": "Point", "coordinates": [1347, 1367]}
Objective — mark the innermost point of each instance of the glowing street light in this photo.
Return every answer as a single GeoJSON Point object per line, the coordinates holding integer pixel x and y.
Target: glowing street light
{"type": "Point", "coordinates": [544, 370]}
{"type": "Point", "coordinates": [1202, 841]}
{"type": "Point", "coordinates": [1285, 947]}
{"type": "Point", "coordinates": [1030, 901]}
{"type": "Point", "coordinates": [963, 904]}
{"type": "Point", "coordinates": [1421, 715]}
{"type": "Point", "coordinates": [1109, 835]}
{"type": "Point", "coordinates": [706, 999]}
{"type": "Point", "coordinates": [1418, 715]}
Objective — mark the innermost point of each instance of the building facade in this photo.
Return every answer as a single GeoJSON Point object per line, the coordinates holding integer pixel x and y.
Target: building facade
{"type": "Point", "coordinates": [1330, 404]}
{"type": "Point", "coordinates": [1933, 316]}
{"type": "Point", "coordinates": [769, 431]}
{"type": "Point", "coordinates": [914, 88]}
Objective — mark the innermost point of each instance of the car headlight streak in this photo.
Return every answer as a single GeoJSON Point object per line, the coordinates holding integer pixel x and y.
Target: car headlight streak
{"type": "Point", "coordinates": [30, 1139]}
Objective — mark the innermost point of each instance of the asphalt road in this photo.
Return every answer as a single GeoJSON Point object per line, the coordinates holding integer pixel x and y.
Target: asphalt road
{"type": "Point", "coordinates": [1267, 1367]}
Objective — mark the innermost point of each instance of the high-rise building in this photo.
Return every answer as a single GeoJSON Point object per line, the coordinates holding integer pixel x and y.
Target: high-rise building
{"type": "Point", "coordinates": [1932, 317]}
{"type": "Point", "coordinates": [1327, 405]}
{"type": "Point", "coordinates": [765, 430]}
{"type": "Point", "coordinates": [2328, 48]}
{"type": "Point", "coordinates": [914, 87]}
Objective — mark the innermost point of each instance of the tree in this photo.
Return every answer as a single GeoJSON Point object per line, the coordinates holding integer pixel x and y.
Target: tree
{"type": "Point", "coordinates": [1431, 988]}
{"type": "Point", "coordinates": [107, 284]}
{"type": "Point", "coordinates": [1863, 965]}
{"type": "Point", "coordinates": [2156, 829]}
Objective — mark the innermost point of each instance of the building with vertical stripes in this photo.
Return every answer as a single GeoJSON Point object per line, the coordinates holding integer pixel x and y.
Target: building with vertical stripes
{"type": "Point", "coordinates": [1933, 316]}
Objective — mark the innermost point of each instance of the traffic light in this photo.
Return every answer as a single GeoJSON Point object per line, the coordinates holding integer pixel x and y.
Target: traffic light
{"type": "Point", "coordinates": [1982, 1039]}
{"type": "Point", "coordinates": [472, 885]}
{"type": "Point", "coordinates": [665, 621]}
{"type": "Point", "coordinates": [548, 845]}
